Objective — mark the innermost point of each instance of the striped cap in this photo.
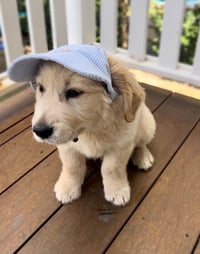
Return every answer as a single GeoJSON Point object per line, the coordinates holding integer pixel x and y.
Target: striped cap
{"type": "Point", "coordinates": [87, 60]}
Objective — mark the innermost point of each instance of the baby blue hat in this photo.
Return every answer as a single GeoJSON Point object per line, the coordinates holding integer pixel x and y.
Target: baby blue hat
{"type": "Point", "coordinates": [87, 60]}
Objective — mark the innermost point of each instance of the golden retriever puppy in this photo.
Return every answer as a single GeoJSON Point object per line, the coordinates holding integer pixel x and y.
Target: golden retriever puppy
{"type": "Point", "coordinates": [90, 106]}
{"type": "Point", "coordinates": [77, 114]}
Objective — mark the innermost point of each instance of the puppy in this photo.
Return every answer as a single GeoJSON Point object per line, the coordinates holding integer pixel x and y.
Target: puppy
{"type": "Point", "coordinates": [76, 114]}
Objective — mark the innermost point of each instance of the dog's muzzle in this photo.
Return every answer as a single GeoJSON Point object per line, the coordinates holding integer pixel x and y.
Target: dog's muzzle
{"type": "Point", "coordinates": [43, 131]}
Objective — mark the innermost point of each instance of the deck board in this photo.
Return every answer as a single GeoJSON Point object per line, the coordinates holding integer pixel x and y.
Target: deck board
{"type": "Point", "coordinates": [168, 220]}
{"type": "Point", "coordinates": [16, 118]}
{"type": "Point", "coordinates": [19, 158]}
{"type": "Point", "coordinates": [13, 131]}
{"type": "Point", "coordinates": [197, 247]}
{"type": "Point", "coordinates": [155, 96]}
{"type": "Point", "coordinates": [34, 222]}
{"type": "Point", "coordinates": [27, 204]}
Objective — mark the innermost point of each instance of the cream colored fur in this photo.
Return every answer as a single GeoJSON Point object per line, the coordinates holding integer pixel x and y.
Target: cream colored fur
{"type": "Point", "coordinates": [112, 130]}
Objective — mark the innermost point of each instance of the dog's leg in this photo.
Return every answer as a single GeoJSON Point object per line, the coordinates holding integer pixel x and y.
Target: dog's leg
{"type": "Point", "coordinates": [142, 158]}
{"type": "Point", "coordinates": [116, 186]}
{"type": "Point", "coordinates": [68, 186]}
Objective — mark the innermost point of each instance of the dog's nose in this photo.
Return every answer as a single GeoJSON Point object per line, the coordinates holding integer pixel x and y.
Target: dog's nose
{"type": "Point", "coordinates": [43, 131]}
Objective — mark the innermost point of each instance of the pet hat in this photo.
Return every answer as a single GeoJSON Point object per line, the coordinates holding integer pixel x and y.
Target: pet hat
{"type": "Point", "coordinates": [87, 60]}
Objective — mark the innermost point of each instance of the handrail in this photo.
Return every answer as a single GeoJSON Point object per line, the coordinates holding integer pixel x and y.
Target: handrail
{"type": "Point", "coordinates": [74, 22]}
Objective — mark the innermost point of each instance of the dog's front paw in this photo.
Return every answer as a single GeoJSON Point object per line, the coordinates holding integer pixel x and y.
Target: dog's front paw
{"type": "Point", "coordinates": [66, 192]}
{"type": "Point", "coordinates": [118, 196]}
{"type": "Point", "coordinates": [142, 158]}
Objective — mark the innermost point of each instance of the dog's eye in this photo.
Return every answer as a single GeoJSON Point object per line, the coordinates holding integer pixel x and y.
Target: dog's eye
{"type": "Point", "coordinates": [41, 88]}
{"type": "Point", "coordinates": [72, 93]}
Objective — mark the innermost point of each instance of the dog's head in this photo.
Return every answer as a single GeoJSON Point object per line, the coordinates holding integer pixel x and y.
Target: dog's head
{"type": "Point", "coordinates": [67, 103]}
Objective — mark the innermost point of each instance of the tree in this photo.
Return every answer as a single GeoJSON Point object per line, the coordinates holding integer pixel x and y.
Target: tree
{"type": "Point", "coordinates": [189, 35]}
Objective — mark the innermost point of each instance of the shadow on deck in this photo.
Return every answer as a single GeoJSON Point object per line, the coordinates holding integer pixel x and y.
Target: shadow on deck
{"type": "Point", "coordinates": [162, 217]}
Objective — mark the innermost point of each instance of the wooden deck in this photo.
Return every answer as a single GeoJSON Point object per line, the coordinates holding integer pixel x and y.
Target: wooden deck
{"type": "Point", "coordinates": [163, 216]}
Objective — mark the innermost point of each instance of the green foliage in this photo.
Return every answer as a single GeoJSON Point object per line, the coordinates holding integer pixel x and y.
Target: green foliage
{"type": "Point", "coordinates": [21, 5]}
{"type": "Point", "coordinates": [155, 28]}
{"type": "Point", "coordinates": [48, 24]}
{"type": "Point", "coordinates": [22, 17]}
{"type": "Point", "coordinates": [123, 23]}
{"type": "Point", "coordinates": [189, 35]}
{"type": "Point", "coordinates": [24, 22]}
{"type": "Point", "coordinates": [98, 20]}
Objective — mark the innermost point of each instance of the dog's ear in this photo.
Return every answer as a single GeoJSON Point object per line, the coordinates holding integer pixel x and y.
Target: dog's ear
{"type": "Point", "coordinates": [125, 83]}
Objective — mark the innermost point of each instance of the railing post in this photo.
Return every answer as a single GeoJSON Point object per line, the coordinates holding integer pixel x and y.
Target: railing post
{"type": "Point", "coordinates": [138, 29]}
{"type": "Point", "coordinates": [108, 29]}
{"type": "Point", "coordinates": [11, 30]}
{"type": "Point", "coordinates": [170, 38]}
{"type": "Point", "coordinates": [196, 65]}
{"type": "Point", "coordinates": [80, 21]}
{"type": "Point", "coordinates": [36, 21]}
{"type": "Point", "coordinates": [58, 22]}
{"type": "Point", "coordinates": [89, 21]}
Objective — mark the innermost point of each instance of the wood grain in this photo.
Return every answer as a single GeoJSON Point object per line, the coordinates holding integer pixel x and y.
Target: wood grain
{"type": "Point", "coordinates": [168, 221]}
{"type": "Point", "coordinates": [197, 249]}
{"type": "Point", "coordinates": [19, 155]}
{"type": "Point", "coordinates": [28, 204]}
{"type": "Point", "coordinates": [16, 117]}
{"type": "Point", "coordinates": [15, 129]}
{"type": "Point", "coordinates": [155, 96]}
{"type": "Point", "coordinates": [25, 206]}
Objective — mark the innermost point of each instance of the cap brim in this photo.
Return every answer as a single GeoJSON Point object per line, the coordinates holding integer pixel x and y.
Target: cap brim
{"type": "Point", "coordinates": [25, 68]}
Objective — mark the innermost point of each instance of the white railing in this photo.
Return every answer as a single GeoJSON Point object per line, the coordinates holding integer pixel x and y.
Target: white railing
{"type": "Point", "coordinates": [73, 21]}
